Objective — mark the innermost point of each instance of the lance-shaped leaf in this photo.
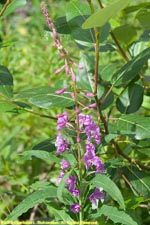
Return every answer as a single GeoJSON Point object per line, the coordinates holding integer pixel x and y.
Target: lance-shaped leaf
{"type": "Point", "coordinates": [110, 187]}
{"type": "Point", "coordinates": [131, 125]}
{"type": "Point", "coordinates": [101, 17]}
{"type": "Point", "coordinates": [6, 82]}
{"type": "Point", "coordinates": [29, 202]}
{"type": "Point", "coordinates": [131, 69]}
{"type": "Point", "coordinates": [40, 154]}
{"type": "Point", "coordinates": [116, 215]}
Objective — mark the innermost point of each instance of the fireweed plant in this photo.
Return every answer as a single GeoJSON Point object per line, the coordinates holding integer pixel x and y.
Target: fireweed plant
{"type": "Point", "coordinates": [94, 148]}
{"type": "Point", "coordinates": [84, 151]}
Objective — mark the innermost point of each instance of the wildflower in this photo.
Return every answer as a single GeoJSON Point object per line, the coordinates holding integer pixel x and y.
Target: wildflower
{"type": "Point", "coordinates": [92, 105]}
{"type": "Point", "coordinates": [90, 94]}
{"type": "Point", "coordinates": [71, 183]}
{"type": "Point", "coordinates": [62, 120]}
{"type": "Point", "coordinates": [60, 176]}
{"type": "Point", "coordinates": [90, 128]}
{"type": "Point", "coordinates": [61, 144]}
{"type": "Point", "coordinates": [75, 208]}
{"type": "Point", "coordinates": [75, 192]}
{"type": "Point", "coordinates": [98, 164]}
{"type": "Point", "coordinates": [65, 165]}
{"type": "Point", "coordinates": [91, 160]}
{"type": "Point", "coordinates": [96, 195]}
{"type": "Point", "coordinates": [61, 91]}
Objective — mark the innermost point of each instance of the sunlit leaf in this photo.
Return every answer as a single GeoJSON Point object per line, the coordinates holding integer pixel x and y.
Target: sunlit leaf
{"type": "Point", "coordinates": [126, 34]}
{"type": "Point", "coordinates": [101, 17]}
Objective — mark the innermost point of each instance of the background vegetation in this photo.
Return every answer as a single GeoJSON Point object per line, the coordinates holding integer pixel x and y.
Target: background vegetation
{"type": "Point", "coordinates": [26, 50]}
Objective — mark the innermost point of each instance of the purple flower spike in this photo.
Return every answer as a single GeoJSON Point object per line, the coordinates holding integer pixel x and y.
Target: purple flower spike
{"type": "Point", "coordinates": [75, 208]}
{"type": "Point", "coordinates": [62, 120]}
{"type": "Point", "coordinates": [65, 165]}
{"type": "Point", "coordinates": [96, 195]}
{"type": "Point", "coordinates": [61, 144]}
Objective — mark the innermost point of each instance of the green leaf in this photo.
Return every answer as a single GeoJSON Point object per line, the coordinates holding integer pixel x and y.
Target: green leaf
{"type": "Point", "coordinates": [35, 91]}
{"type": "Point", "coordinates": [116, 215]}
{"type": "Point", "coordinates": [39, 184]}
{"type": "Point", "coordinates": [6, 82]}
{"type": "Point", "coordinates": [76, 14]}
{"type": "Point", "coordinates": [60, 190]}
{"type": "Point", "coordinates": [59, 214]}
{"type": "Point", "coordinates": [52, 100]}
{"type": "Point", "coordinates": [5, 106]}
{"type": "Point", "coordinates": [130, 99]}
{"type": "Point", "coordinates": [134, 8]}
{"type": "Point", "coordinates": [46, 145]}
{"type": "Point", "coordinates": [143, 17]}
{"type": "Point", "coordinates": [15, 4]}
{"type": "Point", "coordinates": [29, 202]}
{"type": "Point", "coordinates": [132, 125]}
{"type": "Point", "coordinates": [47, 156]}
{"type": "Point", "coordinates": [110, 187]}
{"type": "Point", "coordinates": [45, 97]}
{"type": "Point", "coordinates": [125, 34]}
{"type": "Point", "coordinates": [139, 180]}
{"type": "Point", "coordinates": [62, 25]}
{"type": "Point", "coordinates": [108, 100]}
{"type": "Point", "coordinates": [101, 17]}
{"type": "Point", "coordinates": [85, 75]}
{"type": "Point", "coordinates": [131, 69]}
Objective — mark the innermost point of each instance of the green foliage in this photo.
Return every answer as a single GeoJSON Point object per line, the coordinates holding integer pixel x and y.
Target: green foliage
{"type": "Point", "coordinates": [36, 197]}
{"type": "Point", "coordinates": [100, 18]}
{"type": "Point", "coordinates": [114, 45]}
{"type": "Point", "coordinates": [117, 216]}
{"type": "Point", "coordinates": [109, 186]}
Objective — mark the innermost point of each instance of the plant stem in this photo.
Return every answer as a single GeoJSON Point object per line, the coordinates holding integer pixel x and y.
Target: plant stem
{"type": "Point", "coordinates": [4, 7]}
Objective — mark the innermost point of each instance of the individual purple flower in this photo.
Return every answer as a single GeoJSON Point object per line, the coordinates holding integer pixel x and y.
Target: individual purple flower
{"type": "Point", "coordinates": [75, 208]}
{"type": "Point", "coordinates": [62, 120]}
{"type": "Point", "coordinates": [61, 175]}
{"type": "Point", "coordinates": [71, 183]}
{"type": "Point", "coordinates": [65, 165]}
{"type": "Point", "coordinates": [98, 164]}
{"type": "Point", "coordinates": [75, 192]}
{"type": "Point", "coordinates": [96, 195]}
{"type": "Point", "coordinates": [91, 160]}
{"type": "Point", "coordinates": [61, 144]}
